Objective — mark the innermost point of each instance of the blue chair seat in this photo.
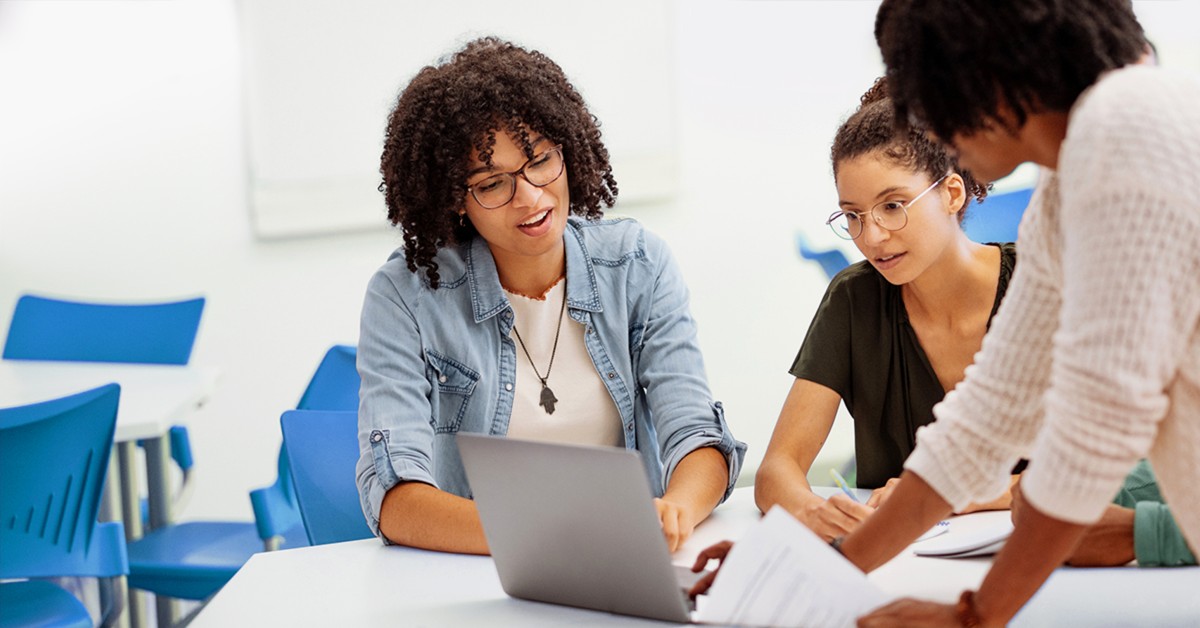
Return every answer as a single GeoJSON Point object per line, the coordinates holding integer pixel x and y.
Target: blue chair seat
{"type": "Point", "coordinates": [35, 603]}
{"type": "Point", "coordinates": [194, 560]}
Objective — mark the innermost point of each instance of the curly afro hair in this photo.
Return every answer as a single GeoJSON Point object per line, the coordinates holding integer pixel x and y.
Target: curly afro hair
{"type": "Point", "coordinates": [457, 106]}
{"type": "Point", "coordinates": [954, 64]}
{"type": "Point", "coordinates": [873, 128]}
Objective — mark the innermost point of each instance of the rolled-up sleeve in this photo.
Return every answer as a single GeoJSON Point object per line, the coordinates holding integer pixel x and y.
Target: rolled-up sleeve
{"type": "Point", "coordinates": [394, 432]}
{"type": "Point", "coordinates": [1157, 541]}
{"type": "Point", "coordinates": [671, 371]}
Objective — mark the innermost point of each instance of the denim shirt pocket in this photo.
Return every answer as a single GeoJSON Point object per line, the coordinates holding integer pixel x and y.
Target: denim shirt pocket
{"type": "Point", "coordinates": [453, 382]}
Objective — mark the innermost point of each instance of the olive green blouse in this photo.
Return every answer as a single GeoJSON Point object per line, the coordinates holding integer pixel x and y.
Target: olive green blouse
{"type": "Point", "coordinates": [860, 345]}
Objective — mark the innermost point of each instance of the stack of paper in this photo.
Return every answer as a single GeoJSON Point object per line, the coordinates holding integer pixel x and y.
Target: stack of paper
{"type": "Point", "coordinates": [781, 574]}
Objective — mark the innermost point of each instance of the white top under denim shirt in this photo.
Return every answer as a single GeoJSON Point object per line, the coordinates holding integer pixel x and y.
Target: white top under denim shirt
{"type": "Point", "coordinates": [436, 362]}
{"type": "Point", "coordinates": [584, 412]}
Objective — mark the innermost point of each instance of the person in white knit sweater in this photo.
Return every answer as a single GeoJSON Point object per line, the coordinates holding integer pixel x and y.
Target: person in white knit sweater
{"type": "Point", "coordinates": [1093, 360]}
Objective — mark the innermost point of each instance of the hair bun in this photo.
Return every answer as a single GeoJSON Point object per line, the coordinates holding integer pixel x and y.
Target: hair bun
{"type": "Point", "coordinates": [878, 92]}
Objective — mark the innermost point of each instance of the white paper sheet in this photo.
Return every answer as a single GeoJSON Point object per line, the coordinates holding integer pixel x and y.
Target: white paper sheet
{"type": "Point", "coordinates": [983, 541]}
{"type": "Point", "coordinates": [781, 574]}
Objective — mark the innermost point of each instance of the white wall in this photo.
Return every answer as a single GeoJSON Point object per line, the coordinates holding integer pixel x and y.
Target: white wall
{"type": "Point", "coordinates": [320, 78]}
{"type": "Point", "coordinates": [125, 178]}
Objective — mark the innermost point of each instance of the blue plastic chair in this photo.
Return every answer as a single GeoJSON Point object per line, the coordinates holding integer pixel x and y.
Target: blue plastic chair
{"type": "Point", "coordinates": [155, 333]}
{"type": "Point", "coordinates": [53, 459]}
{"type": "Point", "coordinates": [334, 386]}
{"type": "Point", "coordinates": [194, 560]}
{"type": "Point", "coordinates": [323, 448]}
{"type": "Point", "coordinates": [53, 329]}
{"type": "Point", "coordinates": [832, 261]}
{"type": "Point", "coordinates": [997, 217]}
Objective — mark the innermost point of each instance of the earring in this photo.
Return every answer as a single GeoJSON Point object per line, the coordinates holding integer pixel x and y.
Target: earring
{"type": "Point", "coordinates": [461, 223]}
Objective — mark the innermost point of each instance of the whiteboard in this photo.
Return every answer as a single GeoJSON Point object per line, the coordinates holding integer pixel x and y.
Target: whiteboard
{"type": "Point", "coordinates": [321, 76]}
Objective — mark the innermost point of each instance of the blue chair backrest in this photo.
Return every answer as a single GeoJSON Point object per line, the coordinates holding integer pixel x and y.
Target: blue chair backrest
{"type": "Point", "coordinates": [323, 448]}
{"type": "Point", "coordinates": [53, 459]}
{"type": "Point", "coordinates": [832, 261]}
{"type": "Point", "coordinates": [334, 386]}
{"type": "Point", "coordinates": [52, 329]}
{"type": "Point", "coordinates": [997, 217]}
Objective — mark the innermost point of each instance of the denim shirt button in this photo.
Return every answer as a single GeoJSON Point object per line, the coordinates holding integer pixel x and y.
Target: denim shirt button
{"type": "Point", "coordinates": [508, 387]}
{"type": "Point", "coordinates": [442, 379]}
{"type": "Point", "coordinates": [611, 375]}
{"type": "Point", "coordinates": [376, 436]}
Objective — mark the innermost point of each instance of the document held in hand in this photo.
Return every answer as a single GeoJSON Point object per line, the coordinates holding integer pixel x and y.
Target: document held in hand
{"type": "Point", "coordinates": [782, 574]}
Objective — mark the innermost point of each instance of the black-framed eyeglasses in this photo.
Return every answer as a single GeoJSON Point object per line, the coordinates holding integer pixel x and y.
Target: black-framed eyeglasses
{"type": "Point", "coordinates": [890, 215]}
{"type": "Point", "coordinates": [540, 170]}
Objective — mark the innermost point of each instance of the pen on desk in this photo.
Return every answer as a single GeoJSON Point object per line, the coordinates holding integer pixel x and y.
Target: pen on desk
{"type": "Point", "coordinates": [841, 483]}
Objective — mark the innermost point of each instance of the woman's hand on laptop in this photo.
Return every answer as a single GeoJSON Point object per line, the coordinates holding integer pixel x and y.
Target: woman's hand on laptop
{"type": "Point", "coordinates": [696, 487]}
{"type": "Point", "coordinates": [717, 552]}
{"type": "Point", "coordinates": [677, 521]}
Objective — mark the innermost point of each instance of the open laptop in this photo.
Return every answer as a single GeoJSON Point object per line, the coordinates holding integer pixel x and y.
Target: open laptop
{"type": "Point", "coordinates": [575, 526]}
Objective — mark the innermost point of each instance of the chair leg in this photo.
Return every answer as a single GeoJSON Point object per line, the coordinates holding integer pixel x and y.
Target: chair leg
{"type": "Point", "coordinates": [132, 517]}
{"type": "Point", "coordinates": [157, 470]}
{"type": "Point", "coordinates": [168, 609]}
{"type": "Point", "coordinates": [187, 619]}
{"type": "Point", "coordinates": [112, 602]}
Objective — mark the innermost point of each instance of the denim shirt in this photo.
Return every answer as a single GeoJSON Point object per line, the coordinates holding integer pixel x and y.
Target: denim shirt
{"type": "Point", "coordinates": [437, 362]}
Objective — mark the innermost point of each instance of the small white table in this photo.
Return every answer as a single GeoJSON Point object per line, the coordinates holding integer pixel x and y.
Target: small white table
{"type": "Point", "coordinates": [154, 397]}
{"type": "Point", "coordinates": [364, 583]}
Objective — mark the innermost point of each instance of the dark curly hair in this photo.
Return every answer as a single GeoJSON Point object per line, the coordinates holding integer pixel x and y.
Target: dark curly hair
{"type": "Point", "coordinates": [954, 64]}
{"type": "Point", "coordinates": [873, 128]}
{"type": "Point", "coordinates": [457, 106]}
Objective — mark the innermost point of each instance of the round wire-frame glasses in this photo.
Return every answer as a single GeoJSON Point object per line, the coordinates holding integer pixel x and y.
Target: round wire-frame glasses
{"type": "Point", "coordinates": [540, 170]}
{"type": "Point", "coordinates": [889, 215]}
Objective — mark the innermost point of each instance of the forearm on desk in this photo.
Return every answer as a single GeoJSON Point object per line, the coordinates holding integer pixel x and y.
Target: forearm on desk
{"type": "Point", "coordinates": [418, 515]}
{"type": "Point", "coordinates": [782, 482]}
{"type": "Point", "coordinates": [913, 508]}
{"type": "Point", "coordinates": [1037, 547]}
{"type": "Point", "coordinates": [800, 432]}
{"type": "Point", "coordinates": [698, 482]}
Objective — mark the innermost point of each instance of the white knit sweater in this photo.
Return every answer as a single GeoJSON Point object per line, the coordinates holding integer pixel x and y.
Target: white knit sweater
{"type": "Point", "coordinates": [1093, 360]}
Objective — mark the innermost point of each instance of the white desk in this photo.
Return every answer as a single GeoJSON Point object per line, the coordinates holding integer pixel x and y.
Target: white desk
{"type": "Point", "coordinates": [364, 583]}
{"type": "Point", "coordinates": [153, 398]}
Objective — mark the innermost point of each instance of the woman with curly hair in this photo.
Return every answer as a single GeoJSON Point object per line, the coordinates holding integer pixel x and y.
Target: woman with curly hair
{"type": "Point", "coordinates": [1093, 360]}
{"type": "Point", "coordinates": [513, 309]}
{"type": "Point", "coordinates": [895, 331]}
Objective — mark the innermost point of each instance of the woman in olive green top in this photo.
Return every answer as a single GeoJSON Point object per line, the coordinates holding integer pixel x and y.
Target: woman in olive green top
{"type": "Point", "coordinates": [895, 332]}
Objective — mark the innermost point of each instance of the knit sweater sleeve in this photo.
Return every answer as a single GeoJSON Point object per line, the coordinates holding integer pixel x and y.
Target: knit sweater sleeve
{"type": "Point", "coordinates": [1086, 344]}
{"type": "Point", "coordinates": [989, 421]}
{"type": "Point", "coordinates": [1130, 290]}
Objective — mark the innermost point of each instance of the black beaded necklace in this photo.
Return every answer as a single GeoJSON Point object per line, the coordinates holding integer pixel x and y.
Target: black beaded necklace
{"type": "Point", "coordinates": [548, 399]}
